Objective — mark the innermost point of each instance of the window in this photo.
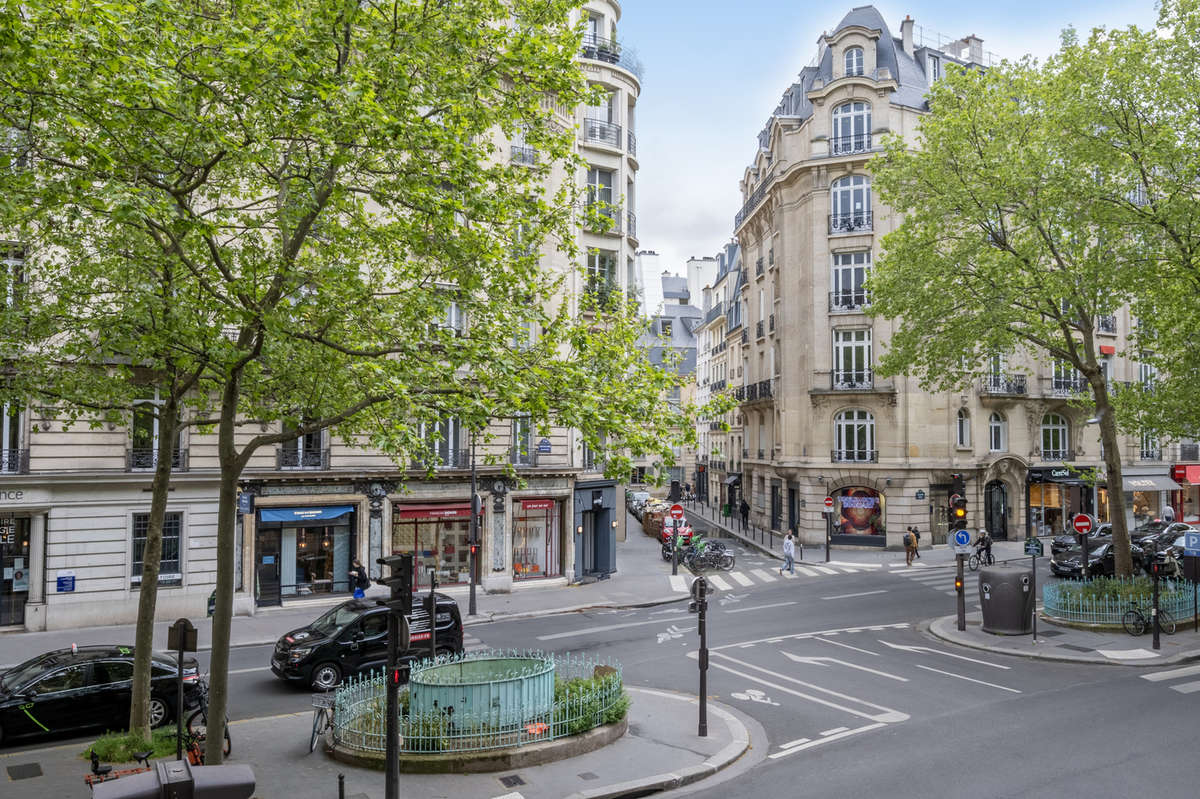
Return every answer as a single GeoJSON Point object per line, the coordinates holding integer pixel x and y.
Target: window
{"type": "Point", "coordinates": [851, 204]}
{"type": "Point", "coordinates": [443, 441]}
{"type": "Point", "coordinates": [1106, 369]}
{"type": "Point", "coordinates": [851, 359]}
{"type": "Point", "coordinates": [601, 277]}
{"type": "Point", "coordinates": [600, 122]}
{"type": "Point", "coordinates": [600, 187]}
{"type": "Point", "coordinates": [1066, 380]}
{"type": "Point", "coordinates": [666, 328]}
{"type": "Point", "coordinates": [522, 441]}
{"type": "Point", "coordinates": [997, 433]}
{"type": "Point", "coordinates": [143, 453]}
{"type": "Point", "coordinates": [1055, 438]}
{"type": "Point", "coordinates": [853, 59]}
{"type": "Point", "coordinates": [374, 625]}
{"type": "Point", "coordinates": [962, 428]}
{"type": "Point", "coordinates": [169, 571]}
{"type": "Point", "coordinates": [850, 271]}
{"type": "Point", "coordinates": [113, 671]}
{"type": "Point", "coordinates": [454, 318]}
{"type": "Point", "coordinates": [12, 436]}
{"type": "Point", "coordinates": [1150, 448]}
{"type": "Point", "coordinates": [1146, 374]}
{"type": "Point", "coordinates": [12, 261]}
{"type": "Point", "coordinates": [304, 452]}
{"type": "Point", "coordinates": [851, 128]}
{"type": "Point", "coordinates": [67, 679]}
{"type": "Point", "coordinates": [933, 68]}
{"type": "Point", "coordinates": [854, 436]}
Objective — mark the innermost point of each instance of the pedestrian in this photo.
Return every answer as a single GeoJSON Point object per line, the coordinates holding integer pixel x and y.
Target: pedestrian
{"type": "Point", "coordinates": [910, 542]}
{"type": "Point", "coordinates": [1168, 514]}
{"type": "Point", "coordinates": [916, 542]}
{"type": "Point", "coordinates": [745, 509]}
{"type": "Point", "coordinates": [789, 554]}
{"type": "Point", "coordinates": [359, 579]}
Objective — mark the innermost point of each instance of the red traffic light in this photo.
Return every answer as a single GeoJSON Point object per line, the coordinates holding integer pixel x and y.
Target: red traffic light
{"type": "Point", "coordinates": [474, 549]}
{"type": "Point", "coordinates": [395, 676]}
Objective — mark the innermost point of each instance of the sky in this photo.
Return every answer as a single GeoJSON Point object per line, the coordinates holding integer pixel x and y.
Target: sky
{"type": "Point", "coordinates": [715, 69]}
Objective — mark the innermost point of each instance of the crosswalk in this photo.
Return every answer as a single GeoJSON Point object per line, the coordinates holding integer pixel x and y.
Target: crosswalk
{"type": "Point", "coordinates": [471, 643]}
{"type": "Point", "coordinates": [1189, 687]}
{"type": "Point", "coordinates": [746, 578]}
{"type": "Point", "coordinates": [939, 578]}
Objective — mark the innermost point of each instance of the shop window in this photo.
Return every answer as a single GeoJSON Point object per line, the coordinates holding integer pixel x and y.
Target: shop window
{"type": "Point", "coordinates": [962, 429]}
{"type": "Point", "coordinates": [14, 561]}
{"type": "Point", "coordinates": [860, 512]}
{"type": "Point", "coordinates": [536, 539]}
{"type": "Point", "coordinates": [170, 571]}
{"type": "Point", "coordinates": [439, 538]}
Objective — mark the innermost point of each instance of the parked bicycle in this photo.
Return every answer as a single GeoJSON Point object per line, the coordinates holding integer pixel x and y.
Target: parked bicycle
{"type": "Point", "coordinates": [1137, 622]}
{"type": "Point", "coordinates": [322, 718]}
{"type": "Point", "coordinates": [704, 554]}
{"type": "Point", "coordinates": [197, 723]}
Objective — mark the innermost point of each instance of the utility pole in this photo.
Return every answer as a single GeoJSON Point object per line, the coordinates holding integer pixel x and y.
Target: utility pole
{"type": "Point", "coordinates": [399, 605]}
{"type": "Point", "coordinates": [473, 558]}
{"type": "Point", "coordinates": [431, 609]}
{"type": "Point", "coordinates": [699, 606]}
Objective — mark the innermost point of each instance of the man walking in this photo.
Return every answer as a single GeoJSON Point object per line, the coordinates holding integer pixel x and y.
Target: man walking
{"type": "Point", "coordinates": [909, 545]}
{"type": "Point", "coordinates": [789, 554]}
{"type": "Point", "coordinates": [916, 542]}
{"type": "Point", "coordinates": [745, 509]}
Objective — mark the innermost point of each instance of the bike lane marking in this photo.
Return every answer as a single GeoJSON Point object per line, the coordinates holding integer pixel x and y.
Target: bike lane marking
{"type": "Point", "coordinates": [835, 737]}
{"type": "Point", "coordinates": [968, 679]}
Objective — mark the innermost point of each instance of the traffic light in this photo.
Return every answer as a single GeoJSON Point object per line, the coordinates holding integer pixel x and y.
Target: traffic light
{"type": "Point", "coordinates": [399, 582]}
{"type": "Point", "coordinates": [958, 486]}
{"type": "Point", "coordinates": [958, 584]}
{"type": "Point", "coordinates": [958, 512]}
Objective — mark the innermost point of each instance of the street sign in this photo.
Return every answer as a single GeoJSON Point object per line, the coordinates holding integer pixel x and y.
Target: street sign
{"type": "Point", "coordinates": [1191, 543]}
{"type": "Point", "coordinates": [65, 581]}
{"type": "Point", "coordinates": [920, 494]}
{"type": "Point", "coordinates": [1082, 523]}
{"type": "Point", "coordinates": [962, 542]}
{"type": "Point", "coordinates": [677, 512]}
{"type": "Point", "coordinates": [1033, 546]}
{"type": "Point", "coordinates": [829, 504]}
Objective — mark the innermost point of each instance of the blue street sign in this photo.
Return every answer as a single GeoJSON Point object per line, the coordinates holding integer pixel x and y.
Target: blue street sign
{"type": "Point", "coordinates": [962, 538]}
{"type": "Point", "coordinates": [1191, 543]}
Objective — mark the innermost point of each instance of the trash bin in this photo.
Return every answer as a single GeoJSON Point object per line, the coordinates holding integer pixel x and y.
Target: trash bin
{"type": "Point", "coordinates": [1006, 597]}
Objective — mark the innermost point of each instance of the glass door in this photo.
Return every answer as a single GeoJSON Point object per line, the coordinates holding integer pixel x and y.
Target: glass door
{"type": "Point", "coordinates": [14, 579]}
{"type": "Point", "coordinates": [269, 551]}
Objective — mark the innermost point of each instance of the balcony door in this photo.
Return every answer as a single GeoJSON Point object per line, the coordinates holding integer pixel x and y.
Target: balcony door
{"type": "Point", "coordinates": [12, 433]}
{"type": "Point", "coordinates": [144, 435]}
{"type": "Point", "coordinates": [851, 357]}
{"type": "Point", "coordinates": [850, 270]}
{"type": "Point", "coordinates": [852, 202]}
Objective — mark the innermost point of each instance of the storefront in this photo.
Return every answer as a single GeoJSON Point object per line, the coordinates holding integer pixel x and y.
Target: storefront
{"type": "Point", "coordinates": [536, 538]}
{"type": "Point", "coordinates": [438, 536]}
{"type": "Point", "coordinates": [1055, 494]}
{"type": "Point", "coordinates": [1187, 499]}
{"type": "Point", "coordinates": [595, 522]}
{"type": "Point", "coordinates": [302, 551]}
{"type": "Point", "coordinates": [859, 517]}
{"type": "Point", "coordinates": [1147, 495]}
{"type": "Point", "coordinates": [14, 559]}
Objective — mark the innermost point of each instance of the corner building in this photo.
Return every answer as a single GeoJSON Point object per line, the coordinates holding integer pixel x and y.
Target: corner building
{"type": "Point", "coordinates": [814, 418]}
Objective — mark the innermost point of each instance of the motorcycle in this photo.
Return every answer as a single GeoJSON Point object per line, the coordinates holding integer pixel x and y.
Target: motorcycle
{"type": "Point", "coordinates": [708, 555]}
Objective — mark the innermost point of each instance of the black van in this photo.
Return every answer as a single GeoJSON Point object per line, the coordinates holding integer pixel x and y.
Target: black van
{"type": "Point", "coordinates": [352, 638]}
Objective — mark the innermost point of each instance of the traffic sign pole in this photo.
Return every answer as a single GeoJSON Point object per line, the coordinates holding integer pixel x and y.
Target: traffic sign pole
{"type": "Point", "coordinates": [960, 590]}
{"type": "Point", "coordinates": [828, 524]}
{"type": "Point", "coordinates": [1083, 525]}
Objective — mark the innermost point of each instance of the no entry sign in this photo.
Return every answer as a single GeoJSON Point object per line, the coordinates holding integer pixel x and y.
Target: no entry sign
{"type": "Point", "coordinates": [828, 504]}
{"type": "Point", "coordinates": [677, 512]}
{"type": "Point", "coordinates": [1082, 523]}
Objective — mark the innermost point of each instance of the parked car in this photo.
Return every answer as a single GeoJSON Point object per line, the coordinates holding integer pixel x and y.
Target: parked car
{"type": "Point", "coordinates": [637, 502]}
{"type": "Point", "coordinates": [88, 687]}
{"type": "Point", "coordinates": [1101, 560]}
{"type": "Point", "coordinates": [1061, 543]}
{"type": "Point", "coordinates": [1165, 536]}
{"type": "Point", "coordinates": [352, 638]}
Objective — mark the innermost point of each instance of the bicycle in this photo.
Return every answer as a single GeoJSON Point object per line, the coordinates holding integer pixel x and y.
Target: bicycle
{"type": "Point", "coordinates": [1136, 622]}
{"type": "Point", "coordinates": [322, 718]}
{"type": "Point", "coordinates": [980, 557]}
{"type": "Point", "coordinates": [197, 723]}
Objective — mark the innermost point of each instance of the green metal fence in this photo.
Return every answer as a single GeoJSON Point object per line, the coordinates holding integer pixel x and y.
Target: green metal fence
{"type": "Point", "coordinates": [588, 693]}
{"type": "Point", "coordinates": [1068, 600]}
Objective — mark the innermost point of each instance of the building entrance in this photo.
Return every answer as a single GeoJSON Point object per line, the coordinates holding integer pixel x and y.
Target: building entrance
{"type": "Point", "coordinates": [14, 560]}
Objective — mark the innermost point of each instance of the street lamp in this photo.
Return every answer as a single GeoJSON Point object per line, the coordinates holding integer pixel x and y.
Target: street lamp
{"type": "Point", "coordinates": [473, 547]}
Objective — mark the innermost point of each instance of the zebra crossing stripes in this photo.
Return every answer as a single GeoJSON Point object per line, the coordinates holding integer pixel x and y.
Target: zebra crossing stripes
{"type": "Point", "coordinates": [825, 570]}
{"type": "Point", "coordinates": [763, 575]}
{"type": "Point", "coordinates": [741, 578]}
{"type": "Point", "coordinates": [750, 577]}
{"type": "Point", "coordinates": [718, 582]}
{"type": "Point", "coordinates": [678, 583]}
{"type": "Point", "coordinates": [471, 643]}
{"type": "Point", "coordinates": [1173, 674]}
{"type": "Point", "coordinates": [807, 572]}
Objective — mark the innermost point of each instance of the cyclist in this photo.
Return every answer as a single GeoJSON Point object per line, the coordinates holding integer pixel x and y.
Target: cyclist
{"type": "Point", "coordinates": [984, 544]}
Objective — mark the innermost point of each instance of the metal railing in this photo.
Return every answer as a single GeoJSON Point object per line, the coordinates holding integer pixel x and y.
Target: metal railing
{"type": "Point", "coordinates": [631, 143]}
{"type": "Point", "coordinates": [14, 461]}
{"type": "Point", "coordinates": [141, 459]}
{"type": "Point", "coordinates": [850, 223]}
{"type": "Point", "coordinates": [631, 224]}
{"type": "Point", "coordinates": [845, 145]}
{"type": "Point", "coordinates": [1056, 454]}
{"type": "Point", "coordinates": [521, 455]}
{"type": "Point", "coordinates": [600, 295]}
{"type": "Point", "coordinates": [1012, 384]}
{"type": "Point", "coordinates": [771, 323]}
{"type": "Point", "coordinates": [745, 336]}
{"type": "Point", "coordinates": [854, 456]}
{"type": "Point", "coordinates": [1064, 600]}
{"type": "Point", "coordinates": [757, 391]}
{"type": "Point", "coordinates": [600, 48]}
{"type": "Point", "coordinates": [589, 692]}
{"type": "Point", "coordinates": [1106, 323]}
{"type": "Point", "coordinates": [758, 267]}
{"type": "Point", "coordinates": [522, 154]}
{"type": "Point", "coordinates": [1150, 453]}
{"type": "Point", "coordinates": [1064, 386]}
{"type": "Point", "coordinates": [606, 210]}
{"type": "Point", "coordinates": [602, 132]}
{"type": "Point", "coordinates": [758, 329]}
{"type": "Point", "coordinates": [849, 300]}
{"type": "Point", "coordinates": [302, 459]}
{"type": "Point", "coordinates": [447, 459]}
{"type": "Point", "coordinates": [718, 385]}
{"type": "Point", "coordinates": [755, 198]}
{"type": "Point", "coordinates": [851, 380]}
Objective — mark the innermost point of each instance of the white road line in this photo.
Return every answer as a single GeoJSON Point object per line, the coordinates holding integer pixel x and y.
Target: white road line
{"type": "Point", "coordinates": [847, 646]}
{"type": "Point", "coordinates": [807, 572]}
{"type": "Point", "coordinates": [834, 731]}
{"type": "Point", "coordinates": [950, 593]}
{"type": "Point", "coordinates": [927, 578]}
{"type": "Point", "coordinates": [776, 639]}
{"type": "Point", "coordinates": [788, 575]}
{"type": "Point", "coordinates": [941, 652]}
{"type": "Point", "coordinates": [718, 582]}
{"type": "Point", "coordinates": [1170, 674]}
{"type": "Point", "coordinates": [678, 583]}
{"type": "Point", "coordinates": [600, 628]}
{"type": "Point", "coordinates": [825, 661]}
{"type": "Point", "coordinates": [825, 570]}
{"type": "Point", "coordinates": [847, 570]}
{"type": "Point", "coordinates": [968, 679]}
{"type": "Point", "coordinates": [820, 741]}
{"type": "Point", "coordinates": [856, 565]}
{"type": "Point", "coordinates": [861, 593]}
{"type": "Point", "coordinates": [513, 795]}
{"type": "Point", "coordinates": [763, 575]}
{"type": "Point", "coordinates": [1187, 687]}
{"type": "Point", "coordinates": [796, 742]}
{"type": "Point", "coordinates": [761, 607]}
{"type": "Point", "coordinates": [741, 578]}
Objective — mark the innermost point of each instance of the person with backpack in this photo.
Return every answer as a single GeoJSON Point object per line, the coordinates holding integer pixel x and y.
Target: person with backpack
{"type": "Point", "coordinates": [789, 554]}
{"type": "Point", "coordinates": [910, 545]}
{"type": "Point", "coordinates": [916, 542]}
{"type": "Point", "coordinates": [359, 579]}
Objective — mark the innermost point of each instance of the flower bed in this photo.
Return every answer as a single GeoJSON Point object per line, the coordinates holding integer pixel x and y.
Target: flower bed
{"type": "Point", "coordinates": [1104, 600]}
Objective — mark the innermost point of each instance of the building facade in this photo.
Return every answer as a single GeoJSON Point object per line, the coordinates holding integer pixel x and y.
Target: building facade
{"type": "Point", "coordinates": [817, 420]}
{"type": "Point", "coordinates": [74, 503]}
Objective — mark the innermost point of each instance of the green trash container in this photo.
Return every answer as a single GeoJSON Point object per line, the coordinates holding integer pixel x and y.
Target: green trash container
{"type": "Point", "coordinates": [726, 510]}
{"type": "Point", "coordinates": [212, 603]}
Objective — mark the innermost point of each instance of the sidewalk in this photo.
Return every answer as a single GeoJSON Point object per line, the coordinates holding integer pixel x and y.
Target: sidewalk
{"type": "Point", "coordinates": [660, 750]}
{"type": "Point", "coordinates": [1056, 642]}
{"type": "Point", "coordinates": [637, 582]}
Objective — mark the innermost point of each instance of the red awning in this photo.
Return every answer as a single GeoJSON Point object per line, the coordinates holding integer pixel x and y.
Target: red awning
{"type": "Point", "coordinates": [537, 504]}
{"type": "Point", "coordinates": [1187, 473]}
{"type": "Point", "coordinates": [441, 510]}
{"type": "Point", "coordinates": [1108, 349]}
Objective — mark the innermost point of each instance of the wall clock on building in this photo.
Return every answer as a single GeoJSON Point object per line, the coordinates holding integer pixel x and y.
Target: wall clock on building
{"type": "Point", "coordinates": [499, 487]}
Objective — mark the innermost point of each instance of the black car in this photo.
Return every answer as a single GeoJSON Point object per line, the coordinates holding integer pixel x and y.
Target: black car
{"type": "Point", "coordinates": [1061, 543]}
{"type": "Point", "coordinates": [1164, 537]}
{"type": "Point", "coordinates": [89, 687]}
{"type": "Point", "coordinates": [1101, 560]}
{"type": "Point", "coordinates": [352, 638]}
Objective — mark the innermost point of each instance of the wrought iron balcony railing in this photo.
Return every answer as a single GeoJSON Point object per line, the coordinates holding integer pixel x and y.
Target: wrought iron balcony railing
{"type": "Point", "coordinates": [1057, 454]}
{"type": "Point", "coordinates": [1001, 384]}
{"type": "Point", "coordinates": [1106, 323]}
{"type": "Point", "coordinates": [758, 329]}
{"type": "Point", "coordinates": [846, 145]}
{"type": "Point", "coordinates": [631, 224]}
{"type": "Point", "coordinates": [850, 223]}
{"type": "Point", "coordinates": [631, 143]}
{"type": "Point", "coordinates": [1065, 386]}
{"type": "Point", "coordinates": [14, 461]}
{"type": "Point", "coordinates": [851, 380]}
{"type": "Point", "coordinates": [600, 48]}
{"type": "Point", "coordinates": [602, 132]}
{"type": "Point", "coordinates": [771, 323]}
{"type": "Point", "coordinates": [316, 459]}
{"type": "Point", "coordinates": [854, 456]}
{"type": "Point", "coordinates": [141, 459]}
{"type": "Point", "coordinates": [524, 155]}
{"type": "Point", "coordinates": [848, 300]}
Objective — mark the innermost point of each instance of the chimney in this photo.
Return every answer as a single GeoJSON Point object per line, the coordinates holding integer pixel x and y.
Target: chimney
{"type": "Point", "coordinates": [974, 49]}
{"type": "Point", "coordinates": [906, 34]}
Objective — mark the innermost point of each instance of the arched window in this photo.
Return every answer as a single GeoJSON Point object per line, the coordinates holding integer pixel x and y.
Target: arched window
{"type": "Point", "coordinates": [850, 204]}
{"type": "Point", "coordinates": [997, 433]}
{"type": "Point", "coordinates": [854, 437]}
{"type": "Point", "coordinates": [1056, 443]}
{"type": "Point", "coordinates": [851, 128]}
{"type": "Point", "coordinates": [962, 428]}
{"type": "Point", "coordinates": [854, 60]}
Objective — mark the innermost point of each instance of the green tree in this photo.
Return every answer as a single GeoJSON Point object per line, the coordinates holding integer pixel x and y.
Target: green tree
{"type": "Point", "coordinates": [324, 181]}
{"type": "Point", "coordinates": [1001, 249]}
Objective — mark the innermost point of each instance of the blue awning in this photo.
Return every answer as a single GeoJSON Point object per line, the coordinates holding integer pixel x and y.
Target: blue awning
{"type": "Point", "coordinates": [304, 514]}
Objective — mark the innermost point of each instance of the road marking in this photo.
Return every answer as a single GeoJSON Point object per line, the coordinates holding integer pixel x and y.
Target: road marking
{"type": "Point", "coordinates": [761, 607]}
{"type": "Point", "coordinates": [776, 639]}
{"type": "Point", "coordinates": [940, 652]}
{"type": "Point", "coordinates": [968, 679]}
{"type": "Point", "coordinates": [825, 570]}
{"type": "Point", "coordinates": [718, 582]}
{"type": "Point", "coordinates": [788, 575]}
{"type": "Point", "coordinates": [796, 742]}
{"type": "Point", "coordinates": [247, 671]}
{"type": "Point", "coordinates": [849, 596]}
{"type": "Point", "coordinates": [950, 593]}
{"type": "Point", "coordinates": [817, 661]}
{"type": "Point", "coordinates": [848, 570]}
{"type": "Point", "coordinates": [834, 731]}
{"type": "Point", "coordinates": [600, 628]}
{"type": "Point", "coordinates": [678, 583]}
{"type": "Point", "coordinates": [856, 565]}
{"type": "Point", "coordinates": [807, 572]}
{"type": "Point", "coordinates": [763, 575]}
{"type": "Point", "coordinates": [839, 643]}
{"type": "Point", "coordinates": [513, 795]}
{"type": "Point", "coordinates": [886, 714]}
{"type": "Point", "coordinates": [820, 741]}
{"type": "Point", "coordinates": [741, 578]}
{"type": "Point", "coordinates": [1170, 674]}
{"type": "Point", "coordinates": [1187, 687]}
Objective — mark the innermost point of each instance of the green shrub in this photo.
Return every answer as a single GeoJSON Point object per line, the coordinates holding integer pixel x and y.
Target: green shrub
{"type": "Point", "coordinates": [1121, 591]}
{"type": "Point", "coordinates": [118, 747]}
{"type": "Point", "coordinates": [425, 733]}
{"type": "Point", "coordinates": [617, 710]}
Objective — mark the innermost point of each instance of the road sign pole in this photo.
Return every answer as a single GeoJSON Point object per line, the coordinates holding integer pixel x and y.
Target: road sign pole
{"type": "Point", "coordinates": [1084, 555]}
{"type": "Point", "coordinates": [828, 532]}
{"type": "Point", "coordinates": [1033, 571]}
{"type": "Point", "coordinates": [960, 591]}
{"type": "Point", "coordinates": [1154, 610]}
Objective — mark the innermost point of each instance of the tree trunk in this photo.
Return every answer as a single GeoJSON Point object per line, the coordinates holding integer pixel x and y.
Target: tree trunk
{"type": "Point", "coordinates": [139, 706]}
{"type": "Point", "coordinates": [218, 696]}
{"type": "Point", "coordinates": [1123, 556]}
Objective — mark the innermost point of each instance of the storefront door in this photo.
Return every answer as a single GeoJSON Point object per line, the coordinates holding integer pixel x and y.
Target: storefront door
{"type": "Point", "coordinates": [268, 568]}
{"type": "Point", "coordinates": [996, 510]}
{"type": "Point", "coordinates": [587, 554]}
{"type": "Point", "coordinates": [14, 560]}
{"type": "Point", "coordinates": [536, 539]}
{"type": "Point", "coordinates": [439, 536]}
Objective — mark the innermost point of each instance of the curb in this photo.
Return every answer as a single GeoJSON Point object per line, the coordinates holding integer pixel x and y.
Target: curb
{"type": "Point", "coordinates": [951, 637]}
{"type": "Point", "coordinates": [685, 776]}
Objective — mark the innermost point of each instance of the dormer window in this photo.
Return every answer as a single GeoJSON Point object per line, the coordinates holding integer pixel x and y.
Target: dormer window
{"type": "Point", "coordinates": [934, 70]}
{"type": "Point", "coordinates": [854, 61]}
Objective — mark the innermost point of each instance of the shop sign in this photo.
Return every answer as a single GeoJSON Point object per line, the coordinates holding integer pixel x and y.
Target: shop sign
{"type": "Point", "coordinates": [8, 533]}
{"type": "Point", "coordinates": [1186, 473]}
{"type": "Point", "coordinates": [537, 504]}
